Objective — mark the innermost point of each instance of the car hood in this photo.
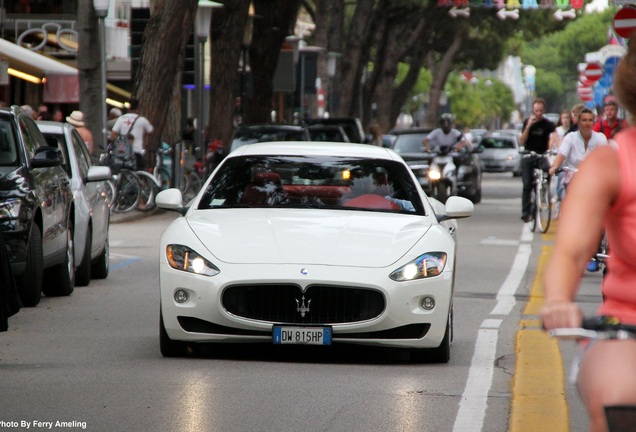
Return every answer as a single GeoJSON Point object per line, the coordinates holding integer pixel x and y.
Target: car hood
{"type": "Point", "coordinates": [319, 237]}
{"type": "Point", "coordinates": [499, 153]}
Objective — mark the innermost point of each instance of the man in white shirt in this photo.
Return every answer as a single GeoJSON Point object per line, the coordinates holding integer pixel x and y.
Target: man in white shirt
{"type": "Point", "coordinates": [136, 125]}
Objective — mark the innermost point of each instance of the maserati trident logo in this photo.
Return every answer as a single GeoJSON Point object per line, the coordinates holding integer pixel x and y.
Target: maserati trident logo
{"type": "Point", "coordinates": [302, 307]}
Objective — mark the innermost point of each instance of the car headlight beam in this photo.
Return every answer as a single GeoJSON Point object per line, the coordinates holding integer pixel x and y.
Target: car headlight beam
{"type": "Point", "coordinates": [183, 258]}
{"type": "Point", "coordinates": [434, 174]}
{"type": "Point", "coordinates": [427, 265]}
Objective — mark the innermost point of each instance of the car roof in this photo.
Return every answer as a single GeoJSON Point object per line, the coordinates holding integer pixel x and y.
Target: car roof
{"type": "Point", "coordinates": [315, 148]}
{"type": "Point", "coordinates": [52, 127]}
{"type": "Point", "coordinates": [406, 131]}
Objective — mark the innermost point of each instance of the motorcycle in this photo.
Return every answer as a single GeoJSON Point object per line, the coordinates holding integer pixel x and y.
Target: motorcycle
{"type": "Point", "coordinates": [442, 174]}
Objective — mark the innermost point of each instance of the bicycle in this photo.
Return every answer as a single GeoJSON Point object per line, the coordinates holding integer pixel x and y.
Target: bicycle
{"type": "Point", "coordinates": [127, 188]}
{"type": "Point", "coordinates": [541, 194]}
{"type": "Point", "coordinates": [620, 418]}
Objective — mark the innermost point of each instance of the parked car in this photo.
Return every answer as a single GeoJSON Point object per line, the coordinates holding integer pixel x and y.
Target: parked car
{"type": "Point", "coordinates": [351, 125]}
{"type": "Point", "coordinates": [90, 198]}
{"type": "Point", "coordinates": [327, 133]}
{"type": "Point", "coordinates": [267, 132]}
{"type": "Point", "coordinates": [319, 244]}
{"type": "Point", "coordinates": [500, 153]}
{"type": "Point", "coordinates": [408, 143]}
{"type": "Point", "coordinates": [36, 209]}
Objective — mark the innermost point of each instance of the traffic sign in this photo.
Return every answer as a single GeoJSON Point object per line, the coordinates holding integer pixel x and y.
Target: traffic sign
{"type": "Point", "coordinates": [624, 21]}
{"type": "Point", "coordinates": [584, 81]}
{"type": "Point", "coordinates": [593, 72]}
{"type": "Point", "coordinates": [586, 97]}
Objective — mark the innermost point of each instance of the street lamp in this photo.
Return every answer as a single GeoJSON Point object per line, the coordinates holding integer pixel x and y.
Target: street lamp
{"type": "Point", "coordinates": [201, 31]}
{"type": "Point", "coordinates": [101, 10]}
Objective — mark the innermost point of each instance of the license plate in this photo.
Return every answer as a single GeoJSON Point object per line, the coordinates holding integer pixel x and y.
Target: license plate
{"type": "Point", "coordinates": [293, 335]}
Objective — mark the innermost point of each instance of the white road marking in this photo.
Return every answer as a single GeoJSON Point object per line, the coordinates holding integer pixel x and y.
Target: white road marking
{"type": "Point", "coordinates": [474, 400]}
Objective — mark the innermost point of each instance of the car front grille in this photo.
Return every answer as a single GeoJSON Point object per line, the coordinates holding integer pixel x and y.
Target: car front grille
{"type": "Point", "coordinates": [287, 304]}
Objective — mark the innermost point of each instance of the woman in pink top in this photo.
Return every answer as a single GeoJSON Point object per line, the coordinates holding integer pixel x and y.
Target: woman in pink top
{"type": "Point", "coordinates": [601, 195]}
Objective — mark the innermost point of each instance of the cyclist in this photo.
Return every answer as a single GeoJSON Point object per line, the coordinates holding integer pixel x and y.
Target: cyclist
{"type": "Point", "coordinates": [536, 136]}
{"type": "Point", "coordinates": [446, 135]}
{"type": "Point", "coordinates": [601, 195]}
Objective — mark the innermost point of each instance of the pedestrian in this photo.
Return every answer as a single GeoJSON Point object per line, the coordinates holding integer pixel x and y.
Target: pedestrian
{"type": "Point", "coordinates": [536, 136]}
{"type": "Point", "coordinates": [113, 115]}
{"type": "Point", "coordinates": [77, 119]}
{"type": "Point", "coordinates": [602, 195]}
{"type": "Point", "coordinates": [610, 123]}
{"type": "Point", "coordinates": [27, 109]}
{"type": "Point", "coordinates": [58, 115]}
{"type": "Point", "coordinates": [132, 123]}
{"type": "Point", "coordinates": [376, 135]}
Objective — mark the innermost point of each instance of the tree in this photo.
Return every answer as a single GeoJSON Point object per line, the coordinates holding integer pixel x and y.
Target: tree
{"type": "Point", "coordinates": [158, 78]}
{"type": "Point", "coordinates": [90, 77]}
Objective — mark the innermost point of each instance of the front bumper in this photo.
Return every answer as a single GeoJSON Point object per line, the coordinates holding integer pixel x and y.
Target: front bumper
{"type": "Point", "coordinates": [400, 322]}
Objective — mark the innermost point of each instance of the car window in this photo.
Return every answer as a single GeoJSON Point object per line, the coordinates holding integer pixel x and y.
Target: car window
{"type": "Point", "coordinates": [8, 144]}
{"type": "Point", "coordinates": [31, 141]}
{"type": "Point", "coordinates": [409, 143]}
{"type": "Point", "coordinates": [57, 140]}
{"type": "Point", "coordinates": [81, 154]}
{"type": "Point", "coordinates": [316, 182]}
{"type": "Point", "coordinates": [497, 143]}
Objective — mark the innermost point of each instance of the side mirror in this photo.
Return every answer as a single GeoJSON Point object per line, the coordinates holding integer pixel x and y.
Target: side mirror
{"type": "Point", "coordinates": [46, 157]}
{"type": "Point", "coordinates": [171, 199]}
{"type": "Point", "coordinates": [457, 208]}
{"type": "Point", "coordinates": [98, 173]}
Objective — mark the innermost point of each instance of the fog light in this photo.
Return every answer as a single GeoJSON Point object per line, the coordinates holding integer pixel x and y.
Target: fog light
{"type": "Point", "coordinates": [180, 296]}
{"type": "Point", "coordinates": [428, 303]}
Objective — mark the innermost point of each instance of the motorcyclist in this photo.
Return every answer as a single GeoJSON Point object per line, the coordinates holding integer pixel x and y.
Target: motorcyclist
{"type": "Point", "coordinates": [446, 136]}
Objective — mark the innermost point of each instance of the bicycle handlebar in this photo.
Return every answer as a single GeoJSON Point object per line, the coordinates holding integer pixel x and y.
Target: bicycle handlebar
{"type": "Point", "coordinates": [599, 328]}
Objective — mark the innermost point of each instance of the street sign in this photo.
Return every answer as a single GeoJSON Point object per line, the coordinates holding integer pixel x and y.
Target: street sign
{"type": "Point", "coordinates": [586, 97]}
{"type": "Point", "coordinates": [584, 90]}
{"type": "Point", "coordinates": [624, 21]}
{"type": "Point", "coordinates": [584, 81]}
{"type": "Point", "coordinates": [593, 72]}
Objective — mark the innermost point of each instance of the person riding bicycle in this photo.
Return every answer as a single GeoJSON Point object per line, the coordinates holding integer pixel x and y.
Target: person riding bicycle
{"type": "Point", "coordinates": [536, 135]}
{"type": "Point", "coordinates": [446, 136]}
{"type": "Point", "coordinates": [601, 195]}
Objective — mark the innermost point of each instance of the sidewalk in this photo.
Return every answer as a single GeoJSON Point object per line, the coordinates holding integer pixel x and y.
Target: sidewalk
{"type": "Point", "coordinates": [133, 215]}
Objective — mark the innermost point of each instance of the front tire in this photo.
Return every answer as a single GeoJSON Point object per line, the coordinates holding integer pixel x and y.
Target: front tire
{"type": "Point", "coordinates": [30, 283]}
{"type": "Point", "coordinates": [62, 281]}
{"type": "Point", "coordinates": [83, 272]}
{"type": "Point", "coordinates": [167, 346]}
{"type": "Point", "coordinates": [544, 210]}
{"type": "Point", "coordinates": [102, 263]}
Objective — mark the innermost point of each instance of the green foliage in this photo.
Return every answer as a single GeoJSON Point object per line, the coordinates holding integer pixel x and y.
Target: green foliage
{"type": "Point", "coordinates": [487, 103]}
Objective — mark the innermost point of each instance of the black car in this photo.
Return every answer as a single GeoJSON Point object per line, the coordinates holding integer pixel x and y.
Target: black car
{"type": "Point", "coordinates": [351, 125]}
{"type": "Point", "coordinates": [267, 132]}
{"type": "Point", "coordinates": [408, 143]}
{"type": "Point", "coordinates": [36, 209]}
{"type": "Point", "coordinates": [328, 133]}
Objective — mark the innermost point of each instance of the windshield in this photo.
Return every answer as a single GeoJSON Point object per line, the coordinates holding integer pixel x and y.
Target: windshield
{"type": "Point", "coordinates": [409, 143]}
{"type": "Point", "coordinates": [313, 181]}
{"type": "Point", "coordinates": [497, 143]}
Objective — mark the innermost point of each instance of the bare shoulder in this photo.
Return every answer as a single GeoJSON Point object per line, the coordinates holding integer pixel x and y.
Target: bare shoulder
{"type": "Point", "coordinates": [600, 172]}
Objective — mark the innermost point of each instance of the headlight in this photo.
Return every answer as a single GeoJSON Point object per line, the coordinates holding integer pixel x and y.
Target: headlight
{"type": "Point", "coordinates": [10, 209]}
{"type": "Point", "coordinates": [428, 265]}
{"type": "Point", "coordinates": [434, 174]}
{"type": "Point", "coordinates": [185, 259]}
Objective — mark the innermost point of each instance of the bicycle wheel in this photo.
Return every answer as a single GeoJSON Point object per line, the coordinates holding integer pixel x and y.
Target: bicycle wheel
{"type": "Point", "coordinates": [544, 205]}
{"type": "Point", "coordinates": [193, 186]}
{"type": "Point", "coordinates": [165, 179]}
{"type": "Point", "coordinates": [128, 191]}
{"type": "Point", "coordinates": [147, 191]}
{"type": "Point", "coordinates": [110, 191]}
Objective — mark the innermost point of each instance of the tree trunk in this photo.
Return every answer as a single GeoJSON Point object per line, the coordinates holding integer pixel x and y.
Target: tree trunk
{"type": "Point", "coordinates": [270, 29]}
{"type": "Point", "coordinates": [161, 66]}
{"type": "Point", "coordinates": [228, 24]}
{"type": "Point", "coordinates": [354, 62]}
{"type": "Point", "coordinates": [440, 71]}
{"type": "Point", "coordinates": [89, 62]}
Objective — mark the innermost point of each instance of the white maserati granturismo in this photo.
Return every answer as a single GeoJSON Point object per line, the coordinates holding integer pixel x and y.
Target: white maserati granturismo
{"type": "Point", "coordinates": [310, 243]}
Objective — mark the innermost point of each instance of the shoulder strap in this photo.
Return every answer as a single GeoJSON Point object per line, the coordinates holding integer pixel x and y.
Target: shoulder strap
{"type": "Point", "coordinates": [133, 124]}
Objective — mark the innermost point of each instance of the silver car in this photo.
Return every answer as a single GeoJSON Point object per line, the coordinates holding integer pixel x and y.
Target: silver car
{"type": "Point", "coordinates": [91, 206]}
{"type": "Point", "coordinates": [500, 153]}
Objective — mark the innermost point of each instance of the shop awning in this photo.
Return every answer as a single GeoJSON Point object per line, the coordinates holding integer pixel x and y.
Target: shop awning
{"type": "Point", "coordinates": [61, 81]}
